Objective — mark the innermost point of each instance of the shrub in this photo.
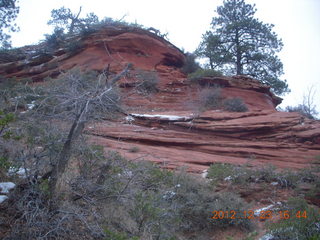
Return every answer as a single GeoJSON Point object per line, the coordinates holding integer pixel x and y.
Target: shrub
{"type": "Point", "coordinates": [303, 223]}
{"type": "Point", "coordinates": [302, 109]}
{"type": "Point", "coordinates": [11, 55]}
{"type": "Point", "coordinates": [148, 82]}
{"type": "Point", "coordinates": [74, 47]}
{"type": "Point", "coordinates": [200, 73]}
{"type": "Point", "coordinates": [219, 171]}
{"type": "Point", "coordinates": [55, 40]}
{"type": "Point", "coordinates": [235, 105]}
{"type": "Point", "coordinates": [195, 204]}
{"type": "Point", "coordinates": [210, 98]}
{"type": "Point", "coordinates": [190, 64]}
{"type": "Point", "coordinates": [111, 235]}
{"type": "Point", "coordinates": [134, 150]}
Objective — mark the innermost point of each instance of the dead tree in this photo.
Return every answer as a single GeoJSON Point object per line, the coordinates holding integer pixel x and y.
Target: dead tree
{"type": "Point", "coordinates": [79, 97]}
{"type": "Point", "coordinates": [308, 103]}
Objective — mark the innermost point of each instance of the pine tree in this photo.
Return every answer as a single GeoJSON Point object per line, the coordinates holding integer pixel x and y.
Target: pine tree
{"type": "Point", "coordinates": [63, 18]}
{"type": "Point", "coordinates": [241, 44]}
{"type": "Point", "coordinates": [8, 13]}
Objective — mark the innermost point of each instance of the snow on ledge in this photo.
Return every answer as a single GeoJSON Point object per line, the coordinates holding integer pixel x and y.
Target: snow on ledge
{"type": "Point", "coordinates": [6, 186]}
{"type": "Point", "coordinates": [164, 117]}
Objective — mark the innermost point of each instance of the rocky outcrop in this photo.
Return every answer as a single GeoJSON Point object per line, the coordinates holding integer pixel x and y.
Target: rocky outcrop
{"type": "Point", "coordinates": [116, 46]}
{"type": "Point", "coordinates": [169, 126]}
{"type": "Point", "coordinates": [285, 140]}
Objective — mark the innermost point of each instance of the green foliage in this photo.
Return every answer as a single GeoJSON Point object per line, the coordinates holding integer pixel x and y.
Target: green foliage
{"type": "Point", "coordinates": [242, 44]}
{"type": "Point", "coordinates": [11, 55]}
{"type": "Point", "coordinates": [195, 205]}
{"type": "Point", "coordinates": [156, 177]}
{"type": "Point", "coordinates": [55, 40]}
{"type": "Point", "coordinates": [219, 171]}
{"type": "Point", "coordinates": [145, 210]}
{"type": "Point", "coordinates": [8, 13]}
{"type": "Point", "coordinates": [110, 235]}
{"type": "Point", "coordinates": [235, 105]}
{"type": "Point", "coordinates": [74, 47]}
{"type": "Point", "coordinates": [298, 226]}
{"type": "Point", "coordinates": [44, 187]}
{"type": "Point", "coordinates": [148, 82]}
{"type": "Point", "coordinates": [17, 94]}
{"type": "Point", "coordinates": [4, 164]}
{"type": "Point", "coordinates": [201, 73]}
{"type": "Point", "coordinates": [5, 119]}
{"type": "Point", "coordinates": [63, 18]}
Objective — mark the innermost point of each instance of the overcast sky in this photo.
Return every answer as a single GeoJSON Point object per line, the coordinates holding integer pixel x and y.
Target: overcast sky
{"type": "Point", "coordinates": [297, 22]}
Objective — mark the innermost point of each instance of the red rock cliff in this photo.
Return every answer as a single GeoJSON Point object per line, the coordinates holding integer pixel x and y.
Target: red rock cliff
{"type": "Point", "coordinates": [167, 126]}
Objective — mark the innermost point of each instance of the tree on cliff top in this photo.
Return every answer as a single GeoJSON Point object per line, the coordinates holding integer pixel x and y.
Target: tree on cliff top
{"type": "Point", "coordinates": [241, 44]}
{"type": "Point", "coordinates": [64, 18]}
{"type": "Point", "coordinates": [8, 13]}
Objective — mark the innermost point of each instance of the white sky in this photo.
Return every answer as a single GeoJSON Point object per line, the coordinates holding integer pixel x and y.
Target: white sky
{"type": "Point", "coordinates": [297, 22]}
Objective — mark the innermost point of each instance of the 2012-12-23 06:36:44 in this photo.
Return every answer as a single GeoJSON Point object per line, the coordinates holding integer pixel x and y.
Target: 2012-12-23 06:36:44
{"type": "Point", "coordinates": [262, 215]}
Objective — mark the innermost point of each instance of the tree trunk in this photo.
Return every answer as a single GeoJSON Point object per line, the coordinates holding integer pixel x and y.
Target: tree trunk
{"type": "Point", "coordinates": [238, 54]}
{"type": "Point", "coordinates": [211, 63]}
{"type": "Point", "coordinates": [74, 19]}
{"type": "Point", "coordinates": [64, 156]}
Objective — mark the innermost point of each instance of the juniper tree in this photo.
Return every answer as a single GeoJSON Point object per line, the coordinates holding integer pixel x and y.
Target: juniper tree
{"type": "Point", "coordinates": [243, 45]}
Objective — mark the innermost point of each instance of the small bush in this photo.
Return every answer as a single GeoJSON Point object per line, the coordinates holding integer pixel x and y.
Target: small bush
{"type": "Point", "coordinates": [235, 105]}
{"type": "Point", "coordinates": [148, 82]}
{"type": "Point", "coordinates": [200, 73]}
{"type": "Point", "coordinates": [134, 150]}
{"type": "Point", "coordinates": [303, 223]}
{"type": "Point", "coordinates": [219, 171]}
{"type": "Point", "coordinates": [111, 235]}
{"type": "Point", "coordinates": [210, 98]}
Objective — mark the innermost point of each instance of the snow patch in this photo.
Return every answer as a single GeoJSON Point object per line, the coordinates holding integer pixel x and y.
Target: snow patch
{"type": "Point", "coordinates": [6, 186]}
{"type": "Point", "coordinates": [126, 173]}
{"type": "Point", "coordinates": [3, 198]}
{"type": "Point", "coordinates": [129, 119]}
{"type": "Point", "coordinates": [31, 105]}
{"type": "Point", "coordinates": [267, 237]}
{"type": "Point", "coordinates": [21, 172]}
{"type": "Point", "coordinates": [204, 173]}
{"type": "Point", "coordinates": [258, 211]}
{"type": "Point", "coordinates": [168, 195]}
{"type": "Point", "coordinates": [164, 117]}
{"type": "Point", "coordinates": [229, 178]}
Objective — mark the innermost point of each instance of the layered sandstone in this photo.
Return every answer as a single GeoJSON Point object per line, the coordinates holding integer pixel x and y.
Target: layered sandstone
{"type": "Point", "coordinates": [168, 127]}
